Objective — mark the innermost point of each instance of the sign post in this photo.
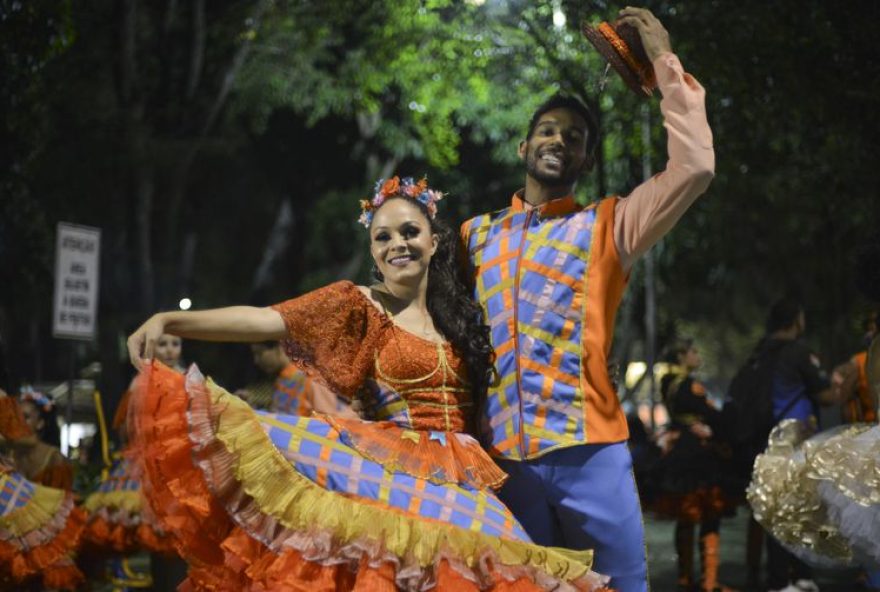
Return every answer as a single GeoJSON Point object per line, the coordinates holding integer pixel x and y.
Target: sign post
{"type": "Point", "coordinates": [75, 304]}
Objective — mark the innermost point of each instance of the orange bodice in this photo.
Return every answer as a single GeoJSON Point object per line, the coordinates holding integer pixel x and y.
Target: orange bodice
{"type": "Point", "coordinates": [338, 336]}
{"type": "Point", "coordinates": [420, 384]}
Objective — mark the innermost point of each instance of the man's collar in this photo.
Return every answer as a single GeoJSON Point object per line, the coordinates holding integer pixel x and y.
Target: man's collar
{"type": "Point", "coordinates": [555, 207]}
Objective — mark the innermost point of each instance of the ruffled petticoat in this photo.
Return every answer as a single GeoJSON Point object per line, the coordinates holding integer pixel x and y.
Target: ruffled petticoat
{"type": "Point", "coordinates": [274, 502]}
{"type": "Point", "coordinates": [39, 530]}
{"type": "Point", "coordinates": [119, 520]}
{"type": "Point", "coordinates": [848, 470]}
{"type": "Point", "coordinates": [819, 497]}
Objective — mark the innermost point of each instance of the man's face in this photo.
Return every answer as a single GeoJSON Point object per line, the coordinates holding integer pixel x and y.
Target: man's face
{"type": "Point", "coordinates": [556, 153]}
{"type": "Point", "coordinates": [270, 360]}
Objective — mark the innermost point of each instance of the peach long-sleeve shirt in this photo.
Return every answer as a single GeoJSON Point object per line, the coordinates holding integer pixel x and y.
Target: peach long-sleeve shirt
{"type": "Point", "coordinates": [652, 209]}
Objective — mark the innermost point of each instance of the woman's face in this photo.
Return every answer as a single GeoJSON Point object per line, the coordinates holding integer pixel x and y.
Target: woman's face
{"type": "Point", "coordinates": [691, 359]}
{"type": "Point", "coordinates": [401, 242]}
{"type": "Point", "coordinates": [168, 350]}
{"type": "Point", "coordinates": [32, 416]}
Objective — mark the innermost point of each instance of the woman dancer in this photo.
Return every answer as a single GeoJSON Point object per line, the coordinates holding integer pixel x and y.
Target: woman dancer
{"type": "Point", "coordinates": [39, 526]}
{"type": "Point", "coordinates": [118, 520]}
{"type": "Point", "coordinates": [40, 459]}
{"type": "Point", "coordinates": [279, 502]}
{"type": "Point", "coordinates": [691, 472]}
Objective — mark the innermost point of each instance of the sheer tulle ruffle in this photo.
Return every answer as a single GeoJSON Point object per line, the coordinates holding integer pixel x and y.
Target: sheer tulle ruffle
{"type": "Point", "coordinates": [848, 468]}
{"type": "Point", "coordinates": [784, 494]}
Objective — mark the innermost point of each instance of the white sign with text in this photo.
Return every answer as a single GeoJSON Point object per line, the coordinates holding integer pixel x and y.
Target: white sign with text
{"type": "Point", "coordinates": [77, 260]}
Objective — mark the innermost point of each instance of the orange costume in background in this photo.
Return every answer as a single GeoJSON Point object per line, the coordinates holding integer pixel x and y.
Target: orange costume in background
{"type": "Point", "coordinates": [119, 520]}
{"type": "Point", "coordinates": [39, 526]}
{"type": "Point", "coordinates": [861, 406]}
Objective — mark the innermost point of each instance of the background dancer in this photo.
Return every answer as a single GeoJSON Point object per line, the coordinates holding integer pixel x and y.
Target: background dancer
{"type": "Point", "coordinates": [291, 390]}
{"type": "Point", "coordinates": [550, 275]}
{"type": "Point", "coordinates": [119, 522]}
{"type": "Point", "coordinates": [40, 459]}
{"type": "Point", "coordinates": [692, 473]}
{"type": "Point", "coordinates": [40, 526]}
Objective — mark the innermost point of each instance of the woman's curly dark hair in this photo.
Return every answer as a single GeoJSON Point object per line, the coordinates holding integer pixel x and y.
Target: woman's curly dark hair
{"type": "Point", "coordinates": [452, 307]}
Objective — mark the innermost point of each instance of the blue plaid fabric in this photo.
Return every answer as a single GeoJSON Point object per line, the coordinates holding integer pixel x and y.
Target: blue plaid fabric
{"type": "Point", "coordinates": [15, 492]}
{"type": "Point", "coordinates": [530, 281]}
{"type": "Point", "coordinates": [119, 478]}
{"type": "Point", "coordinates": [315, 450]}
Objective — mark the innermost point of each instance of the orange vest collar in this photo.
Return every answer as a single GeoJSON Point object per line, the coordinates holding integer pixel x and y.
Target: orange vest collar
{"type": "Point", "coordinates": [557, 207]}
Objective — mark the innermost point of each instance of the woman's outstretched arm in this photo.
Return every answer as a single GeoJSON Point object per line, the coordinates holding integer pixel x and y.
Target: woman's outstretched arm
{"type": "Point", "coordinates": [233, 323]}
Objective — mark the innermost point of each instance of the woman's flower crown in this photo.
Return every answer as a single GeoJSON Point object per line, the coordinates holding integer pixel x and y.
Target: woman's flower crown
{"type": "Point", "coordinates": [37, 398]}
{"type": "Point", "coordinates": [405, 187]}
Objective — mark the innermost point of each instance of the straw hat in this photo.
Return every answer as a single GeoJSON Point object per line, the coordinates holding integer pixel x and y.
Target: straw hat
{"type": "Point", "coordinates": [621, 45]}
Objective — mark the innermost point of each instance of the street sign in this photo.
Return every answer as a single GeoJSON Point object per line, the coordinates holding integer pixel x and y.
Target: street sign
{"type": "Point", "coordinates": [77, 260]}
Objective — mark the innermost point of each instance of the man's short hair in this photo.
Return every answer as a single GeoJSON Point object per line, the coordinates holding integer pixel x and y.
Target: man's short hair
{"type": "Point", "coordinates": [564, 101]}
{"type": "Point", "coordinates": [783, 314]}
{"type": "Point", "coordinates": [677, 348]}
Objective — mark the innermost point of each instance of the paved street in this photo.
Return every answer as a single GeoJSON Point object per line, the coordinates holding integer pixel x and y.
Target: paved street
{"type": "Point", "coordinates": [661, 558]}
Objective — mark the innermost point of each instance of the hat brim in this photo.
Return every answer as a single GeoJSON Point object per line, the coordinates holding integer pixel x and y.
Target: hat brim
{"type": "Point", "coordinates": [597, 39]}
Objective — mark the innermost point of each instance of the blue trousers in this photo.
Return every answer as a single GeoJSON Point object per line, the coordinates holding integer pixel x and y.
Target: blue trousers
{"type": "Point", "coordinates": [583, 497]}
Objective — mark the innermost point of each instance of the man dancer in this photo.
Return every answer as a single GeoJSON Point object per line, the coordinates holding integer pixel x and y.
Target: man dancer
{"type": "Point", "coordinates": [550, 276]}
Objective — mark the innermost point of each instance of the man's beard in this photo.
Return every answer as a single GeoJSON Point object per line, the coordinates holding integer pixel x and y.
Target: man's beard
{"type": "Point", "coordinates": [566, 177]}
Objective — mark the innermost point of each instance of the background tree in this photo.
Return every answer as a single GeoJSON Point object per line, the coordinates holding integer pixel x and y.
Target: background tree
{"type": "Point", "coordinates": [221, 147]}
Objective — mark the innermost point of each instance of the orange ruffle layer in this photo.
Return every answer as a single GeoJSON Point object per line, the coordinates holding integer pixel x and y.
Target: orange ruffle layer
{"type": "Point", "coordinates": [20, 560]}
{"type": "Point", "coordinates": [106, 533]}
{"type": "Point", "coordinates": [224, 556]}
{"type": "Point", "coordinates": [457, 459]}
{"type": "Point", "coordinates": [695, 506]}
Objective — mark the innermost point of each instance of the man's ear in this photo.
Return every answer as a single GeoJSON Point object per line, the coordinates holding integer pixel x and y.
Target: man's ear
{"type": "Point", "coordinates": [521, 151]}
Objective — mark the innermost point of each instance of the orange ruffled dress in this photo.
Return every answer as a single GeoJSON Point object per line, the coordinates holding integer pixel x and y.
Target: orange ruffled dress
{"type": "Point", "coordinates": [119, 520]}
{"type": "Point", "coordinates": [263, 501]}
{"type": "Point", "coordinates": [39, 526]}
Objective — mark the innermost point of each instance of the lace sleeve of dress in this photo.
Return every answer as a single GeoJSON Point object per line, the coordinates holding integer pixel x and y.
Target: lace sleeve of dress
{"type": "Point", "coordinates": [333, 334]}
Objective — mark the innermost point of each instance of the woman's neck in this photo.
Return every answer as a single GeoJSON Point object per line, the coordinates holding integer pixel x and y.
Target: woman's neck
{"type": "Point", "coordinates": [408, 305]}
{"type": "Point", "coordinates": [411, 297]}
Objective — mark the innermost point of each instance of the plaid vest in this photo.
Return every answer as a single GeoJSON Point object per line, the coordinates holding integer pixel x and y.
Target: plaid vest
{"type": "Point", "coordinates": [549, 281]}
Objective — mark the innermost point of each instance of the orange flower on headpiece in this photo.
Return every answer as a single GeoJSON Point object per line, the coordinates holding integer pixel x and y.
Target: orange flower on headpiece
{"type": "Point", "coordinates": [391, 186]}
{"type": "Point", "coordinates": [405, 187]}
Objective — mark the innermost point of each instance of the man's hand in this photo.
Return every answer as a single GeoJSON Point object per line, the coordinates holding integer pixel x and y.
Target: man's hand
{"type": "Point", "coordinates": [655, 39]}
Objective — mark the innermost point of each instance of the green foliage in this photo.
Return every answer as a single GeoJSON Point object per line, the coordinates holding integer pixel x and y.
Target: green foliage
{"type": "Point", "coordinates": [331, 94]}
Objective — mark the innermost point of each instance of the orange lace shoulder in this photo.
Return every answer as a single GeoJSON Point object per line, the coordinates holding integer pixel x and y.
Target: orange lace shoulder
{"type": "Point", "coordinates": [333, 334]}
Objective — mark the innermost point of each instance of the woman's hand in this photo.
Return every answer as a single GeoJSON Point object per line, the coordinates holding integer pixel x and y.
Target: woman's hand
{"type": "Point", "coordinates": [142, 342]}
